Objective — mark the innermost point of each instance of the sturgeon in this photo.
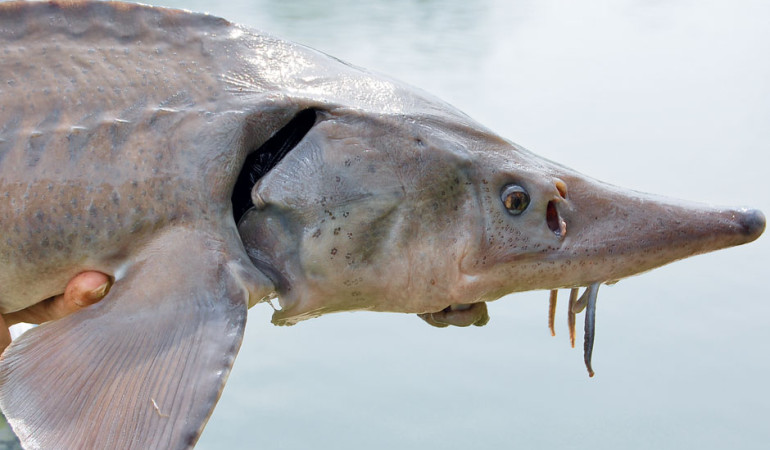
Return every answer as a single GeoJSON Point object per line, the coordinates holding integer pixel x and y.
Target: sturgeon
{"type": "Point", "coordinates": [207, 167]}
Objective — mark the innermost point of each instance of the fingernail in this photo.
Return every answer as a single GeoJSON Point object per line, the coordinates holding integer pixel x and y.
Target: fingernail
{"type": "Point", "coordinates": [100, 292]}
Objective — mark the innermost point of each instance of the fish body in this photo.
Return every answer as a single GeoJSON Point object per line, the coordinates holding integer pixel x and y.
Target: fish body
{"type": "Point", "coordinates": [206, 167]}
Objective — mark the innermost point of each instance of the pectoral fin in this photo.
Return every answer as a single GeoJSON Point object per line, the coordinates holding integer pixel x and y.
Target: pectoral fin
{"type": "Point", "coordinates": [144, 367]}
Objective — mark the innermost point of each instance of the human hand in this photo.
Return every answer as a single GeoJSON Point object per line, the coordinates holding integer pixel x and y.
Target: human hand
{"type": "Point", "coordinates": [85, 289]}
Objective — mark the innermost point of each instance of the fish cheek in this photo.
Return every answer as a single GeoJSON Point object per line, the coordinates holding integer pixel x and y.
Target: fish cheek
{"type": "Point", "coordinates": [346, 249]}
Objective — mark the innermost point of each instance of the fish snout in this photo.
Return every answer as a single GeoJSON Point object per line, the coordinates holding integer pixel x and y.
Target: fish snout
{"type": "Point", "coordinates": [752, 223]}
{"type": "Point", "coordinates": [617, 233]}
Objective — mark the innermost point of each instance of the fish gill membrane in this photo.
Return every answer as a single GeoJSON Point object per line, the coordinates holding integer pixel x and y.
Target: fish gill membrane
{"type": "Point", "coordinates": [268, 171]}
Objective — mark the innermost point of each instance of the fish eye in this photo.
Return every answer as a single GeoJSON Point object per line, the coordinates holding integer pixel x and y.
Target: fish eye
{"type": "Point", "coordinates": [515, 199]}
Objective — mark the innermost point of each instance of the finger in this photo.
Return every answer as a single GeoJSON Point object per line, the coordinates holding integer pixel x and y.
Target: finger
{"type": "Point", "coordinates": [83, 290]}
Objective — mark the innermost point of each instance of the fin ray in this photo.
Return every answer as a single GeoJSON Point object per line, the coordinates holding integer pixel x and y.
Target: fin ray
{"type": "Point", "coordinates": [144, 367]}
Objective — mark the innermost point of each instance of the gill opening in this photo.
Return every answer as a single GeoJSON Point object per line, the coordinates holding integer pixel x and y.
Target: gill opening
{"type": "Point", "coordinates": [262, 159]}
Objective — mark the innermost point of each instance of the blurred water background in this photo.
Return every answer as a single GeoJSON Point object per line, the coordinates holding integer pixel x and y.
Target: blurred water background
{"type": "Point", "coordinates": [671, 97]}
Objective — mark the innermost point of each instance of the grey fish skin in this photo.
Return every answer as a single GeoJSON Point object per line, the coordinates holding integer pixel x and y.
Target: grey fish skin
{"type": "Point", "coordinates": [428, 227]}
{"type": "Point", "coordinates": [119, 148]}
{"type": "Point", "coordinates": [101, 144]}
{"type": "Point", "coordinates": [123, 131]}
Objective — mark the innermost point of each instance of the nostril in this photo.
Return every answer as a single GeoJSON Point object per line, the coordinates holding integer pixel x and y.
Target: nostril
{"type": "Point", "coordinates": [552, 219]}
{"type": "Point", "coordinates": [562, 188]}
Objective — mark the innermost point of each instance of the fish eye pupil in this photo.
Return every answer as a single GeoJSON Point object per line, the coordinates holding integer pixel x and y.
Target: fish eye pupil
{"type": "Point", "coordinates": [515, 199]}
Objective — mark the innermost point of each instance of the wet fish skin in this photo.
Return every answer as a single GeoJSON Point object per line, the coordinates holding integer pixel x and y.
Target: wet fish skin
{"type": "Point", "coordinates": [123, 132]}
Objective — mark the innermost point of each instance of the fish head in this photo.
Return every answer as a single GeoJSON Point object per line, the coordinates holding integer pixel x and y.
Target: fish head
{"type": "Point", "coordinates": [392, 212]}
{"type": "Point", "coordinates": [546, 226]}
{"type": "Point", "coordinates": [367, 212]}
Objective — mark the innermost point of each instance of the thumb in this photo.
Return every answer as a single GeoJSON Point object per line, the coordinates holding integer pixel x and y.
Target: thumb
{"type": "Point", "coordinates": [85, 289]}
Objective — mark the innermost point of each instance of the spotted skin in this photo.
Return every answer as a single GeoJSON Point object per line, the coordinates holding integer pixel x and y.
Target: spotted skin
{"type": "Point", "coordinates": [98, 145]}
